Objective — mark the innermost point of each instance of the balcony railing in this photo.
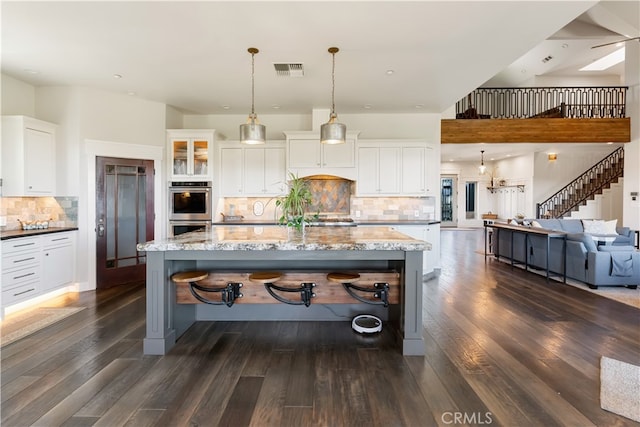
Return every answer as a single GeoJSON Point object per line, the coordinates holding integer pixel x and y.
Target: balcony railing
{"type": "Point", "coordinates": [543, 102]}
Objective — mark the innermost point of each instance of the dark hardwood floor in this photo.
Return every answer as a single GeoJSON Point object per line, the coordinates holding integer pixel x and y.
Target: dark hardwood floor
{"type": "Point", "coordinates": [504, 348]}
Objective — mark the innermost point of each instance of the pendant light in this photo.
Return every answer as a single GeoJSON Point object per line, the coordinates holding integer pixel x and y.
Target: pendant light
{"type": "Point", "coordinates": [252, 132]}
{"type": "Point", "coordinates": [333, 132]}
{"type": "Point", "coordinates": [482, 167]}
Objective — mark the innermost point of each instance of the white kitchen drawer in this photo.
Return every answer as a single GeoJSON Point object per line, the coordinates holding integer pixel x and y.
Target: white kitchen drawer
{"type": "Point", "coordinates": [21, 244]}
{"type": "Point", "coordinates": [19, 293]}
{"type": "Point", "coordinates": [56, 239]}
{"type": "Point", "coordinates": [12, 279]}
{"type": "Point", "coordinates": [20, 260]}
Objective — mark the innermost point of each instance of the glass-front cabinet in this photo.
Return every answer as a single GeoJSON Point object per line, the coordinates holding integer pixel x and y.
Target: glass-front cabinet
{"type": "Point", "coordinates": [190, 154]}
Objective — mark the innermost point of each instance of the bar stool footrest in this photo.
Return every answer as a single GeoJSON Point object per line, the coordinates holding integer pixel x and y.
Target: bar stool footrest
{"type": "Point", "coordinates": [379, 290]}
{"type": "Point", "coordinates": [228, 294]}
{"type": "Point", "coordinates": [305, 290]}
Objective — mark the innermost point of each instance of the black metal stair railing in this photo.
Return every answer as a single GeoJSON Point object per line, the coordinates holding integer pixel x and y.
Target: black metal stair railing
{"type": "Point", "coordinates": [591, 182]}
{"type": "Point", "coordinates": [543, 102]}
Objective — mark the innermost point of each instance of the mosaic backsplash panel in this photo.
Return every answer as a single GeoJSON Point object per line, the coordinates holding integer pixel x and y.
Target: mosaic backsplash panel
{"type": "Point", "coordinates": [59, 211]}
{"type": "Point", "coordinates": [331, 196]}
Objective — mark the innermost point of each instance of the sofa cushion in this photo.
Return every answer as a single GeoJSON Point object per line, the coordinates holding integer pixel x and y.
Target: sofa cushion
{"type": "Point", "coordinates": [572, 225]}
{"type": "Point", "coordinates": [586, 240]}
{"type": "Point", "coordinates": [551, 224]}
{"type": "Point", "coordinates": [608, 248]}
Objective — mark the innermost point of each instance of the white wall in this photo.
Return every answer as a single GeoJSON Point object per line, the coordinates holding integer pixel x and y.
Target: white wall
{"type": "Point", "coordinates": [631, 213]}
{"type": "Point", "coordinates": [371, 126]}
{"type": "Point", "coordinates": [119, 125]}
{"type": "Point", "coordinates": [18, 98]}
{"type": "Point", "coordinates": [468, 172]}
{"type": "Point", "coordinates": [551, 176]}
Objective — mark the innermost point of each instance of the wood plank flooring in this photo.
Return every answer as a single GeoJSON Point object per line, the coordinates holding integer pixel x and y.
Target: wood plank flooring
{"type": "Point", "coordinates": [504, 348]}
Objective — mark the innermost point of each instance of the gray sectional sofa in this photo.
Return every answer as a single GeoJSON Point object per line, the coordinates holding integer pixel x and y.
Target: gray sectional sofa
{"type": "Point", "coordinates": [594, 259]}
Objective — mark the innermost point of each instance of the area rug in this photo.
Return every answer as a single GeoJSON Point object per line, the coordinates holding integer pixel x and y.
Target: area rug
{"type": "Point", "coordinates": [19, 325]}
{"type": "Point", "coordinates": [618, 293]}
{"type": "Point", "coordinates": [620, 388]}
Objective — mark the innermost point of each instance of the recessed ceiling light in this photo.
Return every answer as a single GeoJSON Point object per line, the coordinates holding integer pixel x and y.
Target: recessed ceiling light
{"type": "Point", "coordinates": [606, 61]}
{"type": "Point", "coordinates": [523, 71]}
{"type": "Point", "coordinates": [390, 72]}
{"type": "Point", "coordinates": [275, 106]}
{"type": "Point", "coordinates": [609, 143]}
{"type": "Point", "coordinates": [225, 107]}
{"type": "Point", "coordinates": [565, 45]}
{"type": "Point", "coordinates": [419, 106]}
{"type": "Point", "coordinates": [30, 71]}
{"type": "Point", "coordinates": [367, 106]}
{"type": "Point", "coordinates": [508, 155]}
{"type": "Point", "coordinates": [131, 93]}
{"type": "Point", "coordinates": [117, 76]}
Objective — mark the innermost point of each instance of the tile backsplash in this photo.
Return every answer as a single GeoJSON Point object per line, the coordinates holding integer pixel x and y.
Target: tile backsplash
{"type": "Point", "coordinates": [59, 211]}
{"type": "Point", "coordinates": [360, 209]}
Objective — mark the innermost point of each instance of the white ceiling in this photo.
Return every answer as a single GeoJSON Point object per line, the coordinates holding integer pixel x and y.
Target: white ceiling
{"type": "Point", "coordinates": [193, 55]}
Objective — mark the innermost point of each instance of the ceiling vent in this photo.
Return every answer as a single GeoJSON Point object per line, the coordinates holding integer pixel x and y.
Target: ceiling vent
{"type": "Point", "coordinates": [295, 69]}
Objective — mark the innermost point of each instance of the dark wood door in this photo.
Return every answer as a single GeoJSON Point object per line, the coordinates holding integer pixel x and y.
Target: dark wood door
{"type": "Point", "coordinates": [124, 217]}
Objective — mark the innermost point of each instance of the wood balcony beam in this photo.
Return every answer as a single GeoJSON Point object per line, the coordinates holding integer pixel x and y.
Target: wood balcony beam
{"type": "Point", "coordinates": [465, 131]}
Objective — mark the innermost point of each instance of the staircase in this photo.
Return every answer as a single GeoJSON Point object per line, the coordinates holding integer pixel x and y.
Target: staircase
{"type": "Point", "coordinates": [585, 187]}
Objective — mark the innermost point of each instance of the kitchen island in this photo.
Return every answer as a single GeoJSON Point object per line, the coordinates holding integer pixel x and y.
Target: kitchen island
{"type": "Point", "coordinates": [276, 248]}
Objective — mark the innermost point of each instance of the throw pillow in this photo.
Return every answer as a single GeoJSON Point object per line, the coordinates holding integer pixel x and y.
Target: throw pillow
{"type": "Point", "coordinates": [594, 226]}
{"type": "Point", "coordinates": [513, 222]}
{"type": "Point", "coordinates": [610, 226]}
{"type": "Point", "coordinates": [536, 224]}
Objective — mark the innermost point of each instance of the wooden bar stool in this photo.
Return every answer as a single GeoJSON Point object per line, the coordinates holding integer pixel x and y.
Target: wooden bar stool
{"type": "Point", "coordinates": [268, 278]}
{"type": "Point", "coordinates": [228, 294]}
{"type": "Point", "coordinates": [379, 290]}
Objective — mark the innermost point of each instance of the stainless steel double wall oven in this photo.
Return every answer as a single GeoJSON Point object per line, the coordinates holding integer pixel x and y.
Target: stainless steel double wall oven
{"type": "Point", "coordinates": [190, 206]}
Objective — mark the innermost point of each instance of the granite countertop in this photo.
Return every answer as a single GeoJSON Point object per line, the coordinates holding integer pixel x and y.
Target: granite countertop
{"type": "Point", "coordinates": [16, 234]}
{"type": "Point", "coordinates": [381, 222]}
{"type": "Point", "coordinates": [279, 238]}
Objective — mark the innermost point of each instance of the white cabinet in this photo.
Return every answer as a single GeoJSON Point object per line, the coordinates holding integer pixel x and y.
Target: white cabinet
{"type": "Point", "coordinates": [430, 234]}
{"type": "Point", "coordinates": [432, 257]}
{"type": "Point", "coordinates": [57, 260]}
{"type": "Point", "coordinates": [397, 168]}
{"type": "Point", "coordinates": [252, 171]}
{"type": "Point", "coordinates": [21, 269]}
{"type": "Point", "coordinates": [413, 170]}
{"type": "Point", "coordinates": [307, 156]}
{"type": "Point", "coordinates": [32, 266]}
{"type": "Point", "coordinates": [190, 154]}
{"type": "Point", "coordinates": [378, 171]}
{"type": "Point", "coordinates": [28, 157]}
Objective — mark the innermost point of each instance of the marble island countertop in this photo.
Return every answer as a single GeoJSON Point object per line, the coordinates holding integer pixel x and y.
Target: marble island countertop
{"type": "Point", "coordinates": [279, 238]}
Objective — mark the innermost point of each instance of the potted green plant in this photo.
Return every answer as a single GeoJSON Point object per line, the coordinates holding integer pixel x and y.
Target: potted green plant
{"type": "Point", "coordinates": [295, 203]}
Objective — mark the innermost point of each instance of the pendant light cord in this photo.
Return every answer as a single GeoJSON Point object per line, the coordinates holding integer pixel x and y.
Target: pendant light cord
{"type": "Point", "coordinates": [252, 84]}
{"type": "Point", "coordinates": [333, 51]}
{"type": "Point", "coordinates": [333, 84]}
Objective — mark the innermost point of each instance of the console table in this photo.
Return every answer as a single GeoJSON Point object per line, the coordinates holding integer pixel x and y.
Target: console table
{"type": "Point", "coordinates": [493, 243]}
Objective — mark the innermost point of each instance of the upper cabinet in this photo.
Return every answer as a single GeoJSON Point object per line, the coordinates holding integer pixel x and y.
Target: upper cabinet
{"type": "Point", "coordinates": [307, 156]}
{"type": "Point", "coordinates": [392, 168]}
{"type": "Point", "coordinates": [252, 170]}
{"type": "Point", "coordinates": [28, 157]}
{"type": "Point", "coordinates": [190, 154]}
